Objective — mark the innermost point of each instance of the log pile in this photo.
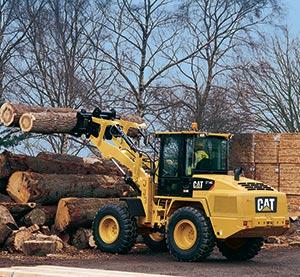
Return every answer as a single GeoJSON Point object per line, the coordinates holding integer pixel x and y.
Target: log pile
{"type": "Point", "coordinates": [51, 199]}
{"type": "Point", "coordinates": [42, 209]}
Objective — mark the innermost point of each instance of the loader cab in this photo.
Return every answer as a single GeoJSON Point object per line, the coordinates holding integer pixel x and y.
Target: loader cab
{"type": "Point", "coordinates": [184, 156]}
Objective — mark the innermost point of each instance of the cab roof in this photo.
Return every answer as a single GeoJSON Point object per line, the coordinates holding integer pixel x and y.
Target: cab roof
{"type": "Point", "coordinates": [196, 133]}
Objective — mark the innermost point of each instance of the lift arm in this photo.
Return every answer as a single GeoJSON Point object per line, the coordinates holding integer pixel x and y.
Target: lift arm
{"type": "Point", "coordinates": [109, 134]}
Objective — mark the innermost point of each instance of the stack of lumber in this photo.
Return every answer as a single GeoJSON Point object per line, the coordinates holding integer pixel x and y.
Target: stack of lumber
{"type": "Point", "coordinates": [53, 194]}
{"type": "Point", "coordinates": [272, 158]}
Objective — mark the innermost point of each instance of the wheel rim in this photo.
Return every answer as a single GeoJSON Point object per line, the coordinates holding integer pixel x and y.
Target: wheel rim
{"type": "Point", "coordinates": [156, 236]}
{"type": "Point", "coordinates": [185, 234]}
{"type": "Point", "coordinates": [109, 229]}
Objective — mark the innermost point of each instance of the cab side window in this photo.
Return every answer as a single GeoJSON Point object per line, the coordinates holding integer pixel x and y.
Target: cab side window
{"type": "Point", "coordinates": [190, 156]}
{"type": "Point", "coordinates": [170, 157]}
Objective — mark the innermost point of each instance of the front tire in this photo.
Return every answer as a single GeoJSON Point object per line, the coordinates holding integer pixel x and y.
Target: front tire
{"type": "Point", "coordinates": [114, 230]}
{"type": "Point", "coordinates": [189, 235]}
{"type": "Point", "coordinates": [240, 249]}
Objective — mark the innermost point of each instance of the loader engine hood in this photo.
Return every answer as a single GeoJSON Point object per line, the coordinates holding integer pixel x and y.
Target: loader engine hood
{"type": "Point", "coordinates": [227, 182]}
{"type": "Point", "coordinates": [244, 208]}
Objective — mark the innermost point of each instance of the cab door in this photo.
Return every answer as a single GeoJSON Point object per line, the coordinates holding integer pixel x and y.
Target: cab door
{"type": "Point", "coordinates": [171, 178]}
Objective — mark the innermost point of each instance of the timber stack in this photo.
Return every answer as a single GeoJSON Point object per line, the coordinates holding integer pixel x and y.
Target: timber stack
{"type": "Point", "coordinates": [42, 210]}
{"type": "Point", "coordinates": [49, 200]}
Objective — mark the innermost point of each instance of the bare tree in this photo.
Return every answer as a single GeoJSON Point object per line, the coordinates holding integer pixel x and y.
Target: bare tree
{"type": "Point", "coordinates": [144, 43]}
{"type": "Point", "coordinates": [222, 112]}
{"type": "Point", "coordinates": [13, 32]}
{"type": "Point", "coordinates": [202, 80]}
{"type": "Point", "coordinates": [55, 66]}
{"type": "Point", "coordinates": [268, 85]}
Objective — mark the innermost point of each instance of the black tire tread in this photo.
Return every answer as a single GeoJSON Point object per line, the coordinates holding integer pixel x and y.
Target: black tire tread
{"type": "Point", "coordinates": [129, 229]}
{"type": "Point", "coordinates": [155, 246]}
{"type": "Point", "coordinates": [246, 252]}
{"type": "Point", "coordinates": [207, 234]}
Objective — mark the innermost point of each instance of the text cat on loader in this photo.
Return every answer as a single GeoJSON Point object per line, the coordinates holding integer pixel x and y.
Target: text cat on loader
{"type": "Point", "coordinates": [186, 201]}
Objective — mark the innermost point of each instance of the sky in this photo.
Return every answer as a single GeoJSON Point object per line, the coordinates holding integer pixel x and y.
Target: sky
{"type": "Point", "coordinates": [293, 15]}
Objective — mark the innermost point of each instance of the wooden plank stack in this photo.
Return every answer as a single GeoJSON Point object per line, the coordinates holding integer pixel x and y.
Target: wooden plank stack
{"type": "Point", "coordinates": [271, 158]}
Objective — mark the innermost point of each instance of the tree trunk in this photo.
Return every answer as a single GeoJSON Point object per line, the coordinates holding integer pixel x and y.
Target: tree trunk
{"type": "Point", "coordinates": [18, 210]}
{"type": "Point", "coordinates": [7, 224]}
{"type": "Point", "coordinates": [45, 230]}
{"type": "Point", "coordinates": [26, 187]}
{"type": "Point", "coordinates": [24, 235]}
{"type": "Point", "coordinates": [10, 113]}
{"type": "Point", "coordinates": [66, 158]}
{"type": "Point", "coordinates": [81, 238]}
{"type": "Point", "coordinates": [50, 164]}
{"type": "Point", "coordinates": [3, 182]}
{"type": "Point", "coordinates": [5, 198]}
{"type": "Point", "coordinates": [38, 247]}
{"type": "Point", "coordinates": [71, 158]}
{"type": "Point", "coordinates": [94, 165]}
{"type": "Point", "coordinates": [78, 212]}
{"type": "Point", "coordinates": [50, 212]}
{"type": "Point", "coordinates": [42, 237]}
{"type": "Point", "coordinates": [36, 216]}
{"type": "Point", "coordinates": [55, 122]}
{"type": "Point", "coordinates": [48, 122]}
{"type": "Point", "coordinates": [17, 238]}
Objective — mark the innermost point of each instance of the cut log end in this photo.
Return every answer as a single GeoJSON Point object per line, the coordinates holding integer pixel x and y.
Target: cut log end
{"type": "Point", "coordinates": [7, 114]}
{"type": "Point", "coordinates": [26, 122]}
{"type": "Point", "coordinates": [81, 238]}
{"type": "Point", "coordinates": [48, 122]}
{"type": "Point", "coordinates": [36, 216]}
{"type": "Point", "coordinates": [7, 224]}
{"type": "Point", "coordinates": [62, 218]}
{"type": "Point", "coordinates": [17, 188]}
{"type": "Point", "coordinates": [38, 248]}
{"type": "Point", "coordinates": [78, 212]}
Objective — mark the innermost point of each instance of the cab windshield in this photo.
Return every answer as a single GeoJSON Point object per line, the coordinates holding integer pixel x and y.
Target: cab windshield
{"type": "Point", "coordinates": [206, 155]}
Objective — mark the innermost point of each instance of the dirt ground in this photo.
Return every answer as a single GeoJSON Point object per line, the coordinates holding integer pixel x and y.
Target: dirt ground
{"type": "Point", "coordinates": [271, 261]}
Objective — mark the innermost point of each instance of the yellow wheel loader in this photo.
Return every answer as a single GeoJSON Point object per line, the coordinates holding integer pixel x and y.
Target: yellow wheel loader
{"type": "Point", "coordinates": [185, 200]}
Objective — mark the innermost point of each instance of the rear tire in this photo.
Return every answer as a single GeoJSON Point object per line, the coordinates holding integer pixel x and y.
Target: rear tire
{"type": "Point", "coordinates": [156, 242]}
{"type": "Point", "coordinates": [189, 235]}
{"type": "Point", "coordinates": [114, 230]}
{"type": "Point", "coordinates": [240, 249]}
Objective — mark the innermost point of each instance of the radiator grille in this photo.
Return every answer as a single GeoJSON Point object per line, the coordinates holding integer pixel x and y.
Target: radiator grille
{"type": "Point", "coordinates": [255, 186]}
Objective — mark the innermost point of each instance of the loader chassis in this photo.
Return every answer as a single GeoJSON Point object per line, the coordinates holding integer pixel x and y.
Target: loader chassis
{"type": "Point", "coordinates": [185, 199]}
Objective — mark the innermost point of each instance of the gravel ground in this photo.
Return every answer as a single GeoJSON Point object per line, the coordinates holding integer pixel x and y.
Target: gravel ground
{"type": "Point", "coordinates": [274, 261]}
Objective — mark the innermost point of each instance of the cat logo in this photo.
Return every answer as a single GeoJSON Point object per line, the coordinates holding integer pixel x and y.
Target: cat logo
{"type": "Point", "coordinates": [197, 184]}
{"type": "Point", "coordinates": [202, 184]}
{"type": "Point", "coordinates": [266, 204]}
